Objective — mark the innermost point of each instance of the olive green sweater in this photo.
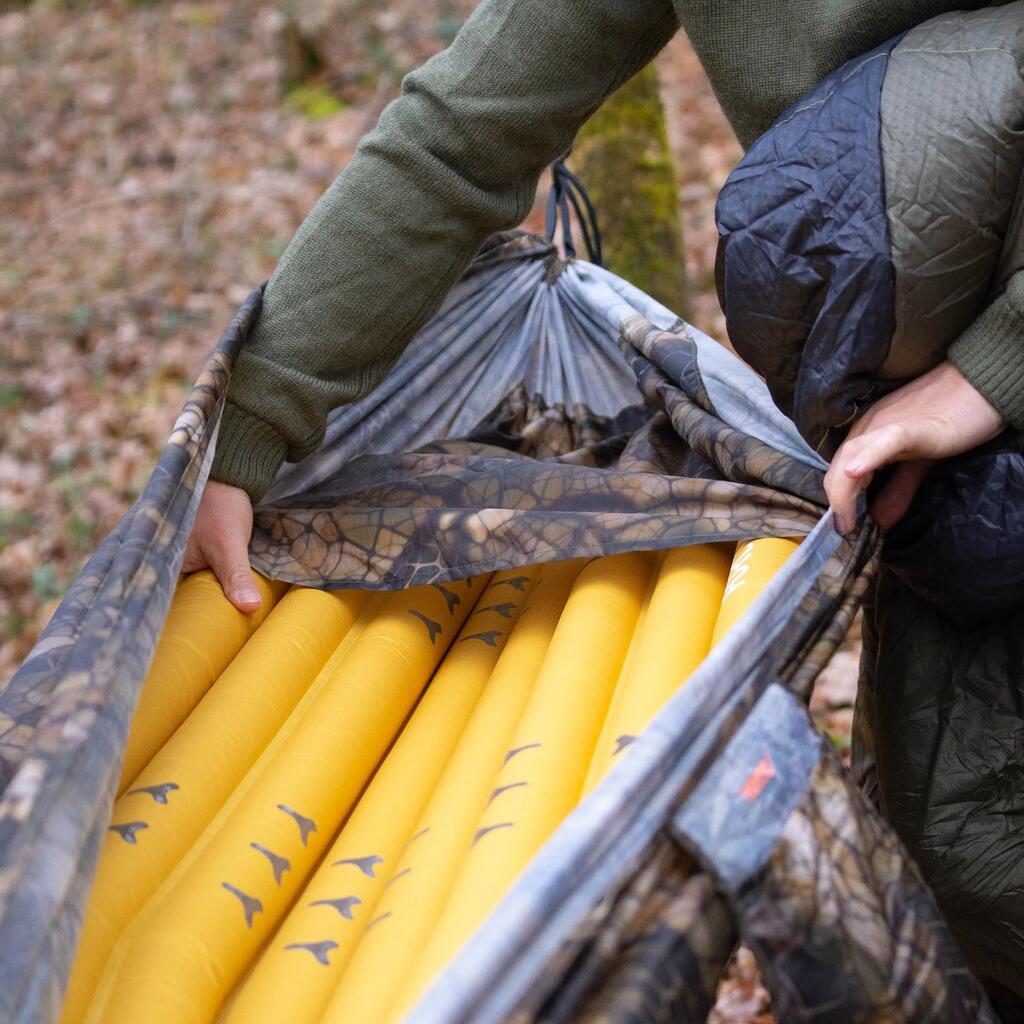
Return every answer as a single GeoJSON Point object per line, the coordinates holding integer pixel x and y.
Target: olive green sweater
{"type": "Point", "coordinates": [458, 156]}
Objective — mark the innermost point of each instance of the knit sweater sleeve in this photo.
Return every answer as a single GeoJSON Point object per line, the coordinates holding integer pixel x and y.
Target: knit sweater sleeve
{"type": "Point", "coordinates": [455, 158]}
{"type": "Point", "coordinates": [990, 353]}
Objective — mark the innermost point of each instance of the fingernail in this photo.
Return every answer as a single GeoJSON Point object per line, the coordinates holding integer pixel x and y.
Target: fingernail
{"type": "Point", "coordinates": [841, 525]}
{"type": "Point", "coordinates": [247, 595]}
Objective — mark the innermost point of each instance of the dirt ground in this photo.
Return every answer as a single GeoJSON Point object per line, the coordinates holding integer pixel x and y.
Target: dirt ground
{"type": "Point", "coordinates": [154, 161]}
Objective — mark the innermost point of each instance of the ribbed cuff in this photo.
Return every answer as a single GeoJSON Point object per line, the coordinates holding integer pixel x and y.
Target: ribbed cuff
{"type": "Point", "coordinates": [249, 452]}
{"type": "Point", "coordinates": [990, 353]}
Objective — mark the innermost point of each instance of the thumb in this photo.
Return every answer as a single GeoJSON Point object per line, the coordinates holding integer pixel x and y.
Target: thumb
{"type": "Point", "coordinates": [892, 501]}
{"type": "Point", "coordinates": [230, 564]}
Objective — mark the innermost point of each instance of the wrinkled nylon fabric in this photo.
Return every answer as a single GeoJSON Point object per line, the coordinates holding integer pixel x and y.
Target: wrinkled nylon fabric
{"type": "Point", "coordinates": [951, 118]}
{"type": "Point", "coordinates": [804, 270]}
{"type": "Point", "coordinates": [943, 710]}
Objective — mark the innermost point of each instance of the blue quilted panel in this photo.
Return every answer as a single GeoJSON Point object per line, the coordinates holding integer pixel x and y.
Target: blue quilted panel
{"type": "Point", "coordinates": [804, 269]}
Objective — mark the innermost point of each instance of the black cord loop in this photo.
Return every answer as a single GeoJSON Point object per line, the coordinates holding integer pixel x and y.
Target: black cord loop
{"type": "Point", "coordinates": [568, 197]}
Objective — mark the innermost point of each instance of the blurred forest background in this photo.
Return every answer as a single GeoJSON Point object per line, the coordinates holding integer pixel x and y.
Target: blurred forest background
{"type": "Point", "coordinates": [155, 159]}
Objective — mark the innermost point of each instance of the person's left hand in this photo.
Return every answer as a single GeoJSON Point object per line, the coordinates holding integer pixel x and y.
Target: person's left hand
{"type": "Point", "coordinates": [936, 416]}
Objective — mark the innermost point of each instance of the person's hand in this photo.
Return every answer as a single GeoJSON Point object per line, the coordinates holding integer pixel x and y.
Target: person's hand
{"type": "Point", "coordinates": [220, 541]}
{"type": "Point", "coordinates": [936, 416]}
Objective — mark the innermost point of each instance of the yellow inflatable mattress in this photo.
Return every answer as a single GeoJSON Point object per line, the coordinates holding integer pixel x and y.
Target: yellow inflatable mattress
{"type": "Point", "coordinates": [321, 803]}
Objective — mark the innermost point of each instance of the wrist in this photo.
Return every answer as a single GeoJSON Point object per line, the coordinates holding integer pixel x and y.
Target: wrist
{"type": "Point", "coordinates": [990, 353]}
{"type": "Point", "coordinates": [249, 452]}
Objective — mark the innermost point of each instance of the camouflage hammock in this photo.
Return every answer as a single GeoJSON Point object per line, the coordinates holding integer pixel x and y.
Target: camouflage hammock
{"type": "Point", "coordinates": [549, 411]}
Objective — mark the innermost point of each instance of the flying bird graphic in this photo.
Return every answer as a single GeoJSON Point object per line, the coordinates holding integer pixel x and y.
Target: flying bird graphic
{"type": "Point", "coordinates": [433, 628]}
{"type": "Point", "coordinates": [488, 637]}
{"type": "Point", "coordinates": [320, 950]}
{"type": "Point", "coordinates": [278, 864]}
{"type": "Point", "coordinates": [451, 598]}
{"type": "Point", "coordinates": [250, 904]}
{"type": "Point", "coordinates": [395, 877]}
{"type": "Point", "coordinates": [158, 793]}
{"type": "Point", "coordinates": [127, 831]}
{"type": "Point", "coordinates": [501, 789]}
{"type": "Point", "coordinates": [412, 839]}
{"type": "Point", "coordinates": [343, 905]}
{"type": "Point", "coordinates": [504, 610]}
{"type": "Point", "coordinates": [516, 582]}
{"type": "Point", "coordinates": [365, 864]}
{"type": "Point", "coordinates": [481, 832]}
{"type": "Point", "coordinates": [306, 825]}
{"type": "Point", "coordinates": [518, 750]}
{"type": "Point", "coordinates": [621, 742]}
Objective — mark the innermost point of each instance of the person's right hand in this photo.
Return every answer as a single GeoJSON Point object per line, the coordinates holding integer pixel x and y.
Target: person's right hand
{"type": "Point", "coordinates": [220, 541]}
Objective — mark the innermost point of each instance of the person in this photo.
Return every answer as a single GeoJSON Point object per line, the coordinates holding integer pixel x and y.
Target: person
{"type": "Point", "coordinates": [458, 156]}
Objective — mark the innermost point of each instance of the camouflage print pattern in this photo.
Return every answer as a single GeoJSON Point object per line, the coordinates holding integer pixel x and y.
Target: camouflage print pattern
{"type": "Point", "coordinates": [653, 951]}
{"type": "Point", "coordinates": [843, 925]}
{"type": "Point", "coordinates": [656, 955]}
{"type": "Point", "coordinates": [671, 968]}
{"type": "Point", "coordinates": [64, 716]}
{"type": "Point", "coordinates": [538, 483]}
{"type": "Point", "coordinates": [550, 411]}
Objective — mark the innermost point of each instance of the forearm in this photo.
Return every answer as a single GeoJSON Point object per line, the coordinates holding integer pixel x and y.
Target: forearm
{"type": "Point", "coordinates": [457, 157]}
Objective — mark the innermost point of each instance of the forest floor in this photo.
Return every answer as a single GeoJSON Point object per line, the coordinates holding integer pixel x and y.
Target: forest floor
{"type": "Point", "coordinates": [153, 165]}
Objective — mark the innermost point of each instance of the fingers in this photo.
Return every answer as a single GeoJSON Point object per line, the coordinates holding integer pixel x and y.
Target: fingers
{"type": "Point", "coordinates": [893, 500]}
{"type": "Point", "coordinates": [842, 491]}
{"type": "Point", "coordinates": [194, 559]}
{"type": "Point", "coordinates": [220, 540]}
{"type": "Point", "coordinates": [855, 465]}
{"type": "Point", "coordinates": [230, 564]}
{"type": "Point", "coordinates": [936, 416]}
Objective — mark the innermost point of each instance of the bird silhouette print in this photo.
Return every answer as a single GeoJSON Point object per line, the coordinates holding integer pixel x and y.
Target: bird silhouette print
{"type": "Point", "coordinates": [433, 628]}
{"type": "Point", "coordinates": [504, 610]}
{"type": "Point", "coordinates": [158, 793]}
{"type": "Point", "coordinates": [278, 864]}
{"type": "Point", "coordinates": [488, 637]}
{"type": "Point", "coordinates": [621, 742]}
{"type": "Point", "coordinates": [343, 905]}
{"type": "Point", "coordinates": [481, 832]}
{"type": "Point", "coordinates": [501, 789]}
{"type": "Point", "coordinates": [128, 831]}
{"type": "Point", "coordinates": [515, 582]}
{"type": "Point", "coordinates": [412, 839]}
{"type": "Point", "coordinates": [250, 904]}
{"type": "Point", "coordinates": [395, 877]}
{"type": "Point", "coordinates": [306, 825]}
{"type": "Point", "coordinates": [451, 598]}
{"type": "Point", "coordinates": [518, 750]}
{"type": "Point", "coordinates": [365, 864]}
{"type": "Point", "coordinates": [320, 950]}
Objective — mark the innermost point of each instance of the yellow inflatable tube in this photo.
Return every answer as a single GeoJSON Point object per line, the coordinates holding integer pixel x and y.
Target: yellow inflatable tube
{"type": "Point", "coordinates": [183, 955]}
{"type": "Point", "coordinates": [538, 782]}
{"type": "Point", "coordinates": [753, 566]}
{"type": "Point", "coordinates": [417, 889]}
{"type": "Point", "coordinates": [181, 790]}
{"type": "Point", "coordinates": [673, 638]}
{"type": "Point", "coordinates": [201, 635]}
{"type": "Point", "coordinates": [297, 972]}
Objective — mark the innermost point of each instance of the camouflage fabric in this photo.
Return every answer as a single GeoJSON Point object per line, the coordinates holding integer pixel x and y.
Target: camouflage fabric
{"type": "Point", "coordinates": [846, 947]}
{"type": "Point", "coordinates": [549, 411]}
{"type": "Point", "coordinates": [64, 716]}
{"type": "Point", "coordinates": [654, 951]}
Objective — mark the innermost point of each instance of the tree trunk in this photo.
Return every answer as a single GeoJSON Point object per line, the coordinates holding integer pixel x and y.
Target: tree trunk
{"type": "Point", "coordinates": [622, 157]}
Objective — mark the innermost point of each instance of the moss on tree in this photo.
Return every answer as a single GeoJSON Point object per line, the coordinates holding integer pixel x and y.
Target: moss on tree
{"type": "Point", "coordinates": [622, 156]}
